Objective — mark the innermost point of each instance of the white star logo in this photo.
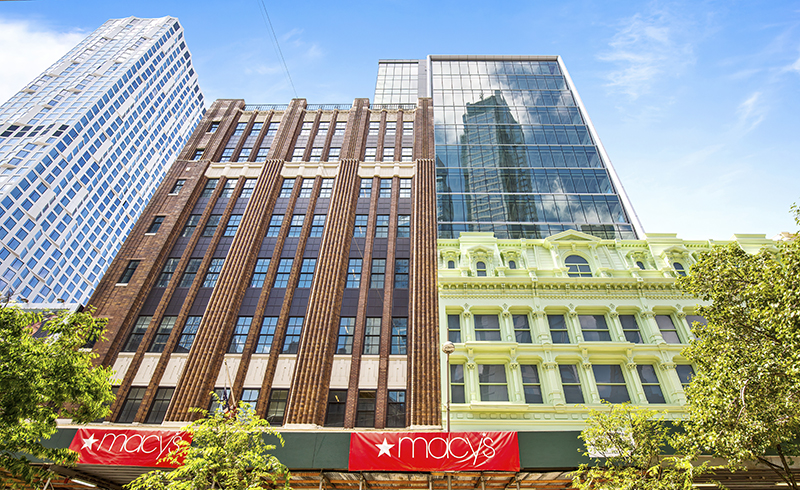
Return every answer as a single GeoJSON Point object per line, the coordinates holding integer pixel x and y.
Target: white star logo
{"type": "Point", "coordinates": [385, 447]}
{"type": "Point", "coordinates": [89, 442]}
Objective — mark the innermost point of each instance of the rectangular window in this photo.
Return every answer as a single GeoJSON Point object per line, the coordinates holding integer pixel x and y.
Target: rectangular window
{"type": "Point", "coordinates": [365, 409]}
{"type": "Point", "coordinates": [306, 188]}
{"type": "Point", "coordinates": [296, 226]}
{"type": "Point", "coordinates": [189, 333]}
{"type": "Point", "coordinates": [286, 188]}
{"type": "Point", "coordinates": [487, 327]}
{"type": "Point", "coordinates": [408, 128]}
{"type": "Point", "coordinates": [407, 155]}
{"type": "Point", "coordinates": [158, 410]}
{"type": "Point", "coordinates": [212, 275]}
{"type": "Point", "coordinates": [353, 273]}
{"type": "Point", "coordinates": [337, 402]}
{"type": "Point", "coordinates": [297, 154]}
{"type": "Point", "coordinates": [668, 329]}
{"type": "Point", "coordinates": [212, 224]}
{"type": "Point", "coordinates": [162, 334]}
{"type": "Point", "coordinates": [250, 396]}
{"type": "Point", "coordinates": [374, 127]}
{"type": "Point", "coordinates": [233, 225]}
{"type": "Point", "coordinates": [691, 320]}
{"type": "Point", "coordinates": [128, 272]}
{"type": "Point", "coordinates": [275, 225]}
{"type": "Point", "coordinates": [399, 332]}
{"type": "Point", "coordinates": [227, 155]}
{"type": "Point", "coordinates": [178, 186]}
{"type": "Point", "coordinates": [360, 228]}
{"type": "Point", "coordinates": [366, 188]}
{"type": "Point", "coordinates": [156, 224]}
{"type": "Point", "coordinates": [571, 383]}
{"type": "Point", "coordinates": [259, 273]}
{"type": "Point", "coordinates": [284, 269]}
{"type": "Point", "coordinates": [382, 226]}
{"type": "Point", "coordinates": [316, 155]}
{"type": "Point", "coordinates": [292, 340]}
{"type": "Point", "coordinates": [137, 334]}
{"type": "Point", "coordinates": [391, 129]}
{"type": "Point", "coordinates": [261, 156]}
{"type": "Point", "coordinates": [131, 406]}
{"type": "Point", "coordinates": [317, 226]}
{"type": "Point", "coordinates": [277, 406]}
{"type": "Point", "coordinates": [594, 328]}
{"type": "Point", "coordinates": [386, 188]}
{"type": "Point", "coordinates": [240, 334]}
{"type": "Point", "coordinates": [228, 188]}
{"type": "Point", "coordinates": [652, 389]}
{"type": "Point", "coordinates": [344, 344]}
{"type": "Point", "coordinates": [388, 154]}
{"type": "Point", "coordinates": [403, 225]}
{"type": "Point", "coordinates": [396, 409]}
{"type": "Point", "coordinates": [370, 154]}
{"type": "Point", "coordinates": [558, 329]}
{"type": "Point", "coordinates": [378, 275]}
{"type": "Point", "coordinates": [247, 188]}
{"type": "Point", "coordinates": [531, 384]}
{"type": "Point", "coordinates": [457, 392]}
{"type": "Point", "coordinates": [401, 273]}
{"type": "Point", "coordinates": [454, 328]}
{"type": "Point", "coordinates": [189, 274]}
{"type": "Point", "coordinates": [685, 373]}
{"type": "Point", "coordinates": [372, 337]}
{"type": "Point", "coordinates": [212, 128]}
{"type": "Point", "coordinates": [167, 272]}
{"type": "Point", "coordinates": [631, 329]}
{"type": "Point", "coordinates": [267, 333]}
{"type": "Point", "coordinates": [198, 154]}
{"type": "Point", "coordinates": [209, 188]}
{"type": "Point", "coordinates": [191, 224]}
{"type": "Point", "coordinates": [522, 331]}
{"type": "Point", "coordinates": [611, 383]}
{"type": "Point", "coordinates": [405, 188]}
{"type": "Point", "coordinates": [224, 395]}
{"type": "Point", "coordinates": [326, 188]}
{"type": "Point", "coordinates": [244, 154]}
{"type": "Point", "coordinates": [307, 273]}
{"type": "Point", "coordinates": [333, 154]}
{"type": "Point", "coordinates": [492, 382]}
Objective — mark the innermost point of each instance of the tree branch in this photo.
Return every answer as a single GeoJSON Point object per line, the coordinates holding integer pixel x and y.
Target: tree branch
{"type": "Point", "coordinates": [777, 469]}
{"type": "Point", "coordinates": [786, 466]}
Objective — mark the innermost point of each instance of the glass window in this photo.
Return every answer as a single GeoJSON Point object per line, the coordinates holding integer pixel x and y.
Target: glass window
{"type": "Point", "coordinates": [307, 273]}
{"type": "Point", "coordinates": [406, 155]}
{"type": "Point", "coordinates": [366, 188]}
{"type": "Point", "coordinates": [198, 154]}
{"type": "Point", "coordinates": [640, 265]}
{"type": "Point", "coordinates": [652, 389]}
{"type": "Point", "coordinates": [531, 384]}
{"type": "Point", "coordinates": [480, 269]}
{"type": "Point", "coordinates": [401, 273]}
{"type": "Point", "coordinates": [631, 329]}
{"type": "Point", "coordinates": [386, 188]}
{"type": "Point", "coordinates": [337, 402]}
{"type": "Point", "coordinates": [344, 344]}
{"type": "Point", "coordinates": [679, 269]}
{"type": "Point", "coordinates": [266, 334]}
{"type": "Point", "coordinates": [492, 382]}
{"type": "Point", "coordinates": [240, 334]}
{"type": "Point", "coordinates": [286, 188]}
{"type": "Point", "coordinates": [399, 330]}
{"type": "Point", "coordinates": [275, 223]}
{"type": "Point", "coordinates": [457, 391]}
{"type": "Point", "coordinates": [233, 225]}
{"type": "Point", "coordinates": [360, 228]}
{"type": "Point", "coordinates": [487, 327]}
{"type": "Point", "coordinates": [191, 224]}
{"type": "Point", "coordinates": [178, 186]}
{"type": "Point", "coordinates": [306, 188]}
{"type": "Point", "coordinates": [353, 273]}
{"type": "Point", "coordinates": [372, 337]}
{"type": "Point", "coordinates": [522, 330]}
{"type": "Point", "coordinates": [162, 334]}
{"type": "Point", "coordinates": [260, 273]}
{"type": "Point", "coordinates": [571, 383]}
{"type": "Point", "coordinates": [212, 128]}
{"type": "Point", "coordinates": [451, 264]}
{"type": "Point", "coordinates": [158, 410]}
{"type": "Point", "coordinates": [211, 184]}
{"type": "Point", "coordinates": [668, 329]}
{"type": "Point", "coordinates": [594, 328]}
{"type": "Point", "coordinates": [378, 274]}
{"type": "Point", "coordinates": [577, 266]}
{"type": "Point", "coordinates": [190, 273]}
{"type": "Point", "coordinates": [189, 333]}
{"type": "Point", "coordinates": [250, 396]}
{"type": "Point", "coordinates": [370, 154]}
{"type": "Point", "coordinates": [405, 188]}
{"type": "Point", "coordinates": [558, 329]}
{"type": "Point", "coordinates": [212, 224]}
{"type": "Point", "coordinates": [388, 154]}
{"type": "Point", "coordinates": [382, 226]}
{"type": "Point", "coordinates": [316, 154]}
{"type": "Point", "coordinates": [333, 154]}
{"type": "Point", "coordinates": [212, 275]}
{"type": "Point", "coordinates": [131, 406]}
{"type": "Point", "coordinates": [691, 319]}
{"type": "Point", "coordinates": [128, 272]}
{"type": "Point", "coordinates": [365, 409]}
{"type": "Point", "coordinates": [282, 277]}
{"type": "Point", "coordinates": [166, 273]}
{"type": "Point", "coordinates": [261, 156]}
{"type": "Point", "coordinates": [512, 265]}
{"type": "Point", "coordinates": [137, 334]}
{"type": "Point", "coordinates": [228, 188]}
{"type": "Point", "coordinates": [317, 226]}
{"type": "Point", "coordinates": [403, 225]}
{"type": "Point", "coordinates": [454, 328]}
{"type": "Point", "coordinates": [611, 383]}
{"type": "Point", "coordinates": [156, 224]}
{"type": "Point", "coordinates": [247, 188]}
{"type": "Point", "coordinates": [277, 406]}
{"type": "Point", "coordinates": [326, 188]}
{"type": "Point", "coordinates": [292, 340]}
{"type": "Point", "coordinates": [396, 409]}
{"type": "Point", "coordinates": [297, 154]}
{"type": "Point", "coordinates": [685, 374]}
{"type": "Point", "coordinates": [227, 154]}
{"type": "Point", "coordinates": [296, 226]}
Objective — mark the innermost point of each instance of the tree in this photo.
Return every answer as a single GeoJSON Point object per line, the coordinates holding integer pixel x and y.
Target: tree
{"type": "Point", "coordinates": [744, 401]}
{"type": "Point", "coordinates": [227, 451]}
{"type": "Point", "coordinates": [46, 374]}
{"type": "Point", "coordinates": [628, 444]}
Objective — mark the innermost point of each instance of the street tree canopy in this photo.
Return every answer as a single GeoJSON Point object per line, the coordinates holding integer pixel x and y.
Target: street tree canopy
{"type": "Point", "coordinates": [44, 377]}
{"type": "Point", "coordinates": [227, 451]}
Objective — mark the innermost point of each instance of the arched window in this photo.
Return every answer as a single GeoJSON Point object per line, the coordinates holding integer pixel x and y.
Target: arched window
{"type": "Point", "coordinates": [451, 264]}
{"type": "Point", "coordinates": [578, 266]}
{"type": "Point", "coordinates": [481, 269]}
{"type": "Point", "coordinates": [679, 268]}
{"type": "Point", "coordinates": [512, 264]}
{"type": "Point", "coordinates": [640, 264]}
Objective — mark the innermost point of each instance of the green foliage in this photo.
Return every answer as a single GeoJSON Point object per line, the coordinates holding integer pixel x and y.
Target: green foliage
{"type": "Point", "coordinates": [627, 444]}
{"type": "Point", "coordinates": [45, 378]}
{"type": "Point", "coordinates": [227, 452]}
{"type": "Point", "coordinates": [744, 401]}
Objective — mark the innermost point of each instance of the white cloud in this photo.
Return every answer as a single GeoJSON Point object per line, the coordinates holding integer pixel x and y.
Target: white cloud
{"type": "Point", "coordinates": [26, 50]}
{"type": "Point", "coordinates": [751, 112]}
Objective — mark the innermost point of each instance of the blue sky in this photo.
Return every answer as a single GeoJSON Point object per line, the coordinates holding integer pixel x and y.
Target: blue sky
{"type": "Point", "coordinates": [696, 102]}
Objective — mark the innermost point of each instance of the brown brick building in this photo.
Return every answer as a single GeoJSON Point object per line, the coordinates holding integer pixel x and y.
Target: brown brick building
{"type": "Point", "coordinates": [290, 253]}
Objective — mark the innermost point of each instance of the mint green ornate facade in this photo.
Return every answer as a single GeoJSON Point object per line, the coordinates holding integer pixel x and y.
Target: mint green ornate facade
{"type": "Point", "coordinates": [546, 329]}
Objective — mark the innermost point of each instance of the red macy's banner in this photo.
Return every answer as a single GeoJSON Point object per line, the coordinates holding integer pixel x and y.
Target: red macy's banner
{"type": "Point", "coordinates": [125, 447]}
{"type": "Point", "coordinates": [432, 451]}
